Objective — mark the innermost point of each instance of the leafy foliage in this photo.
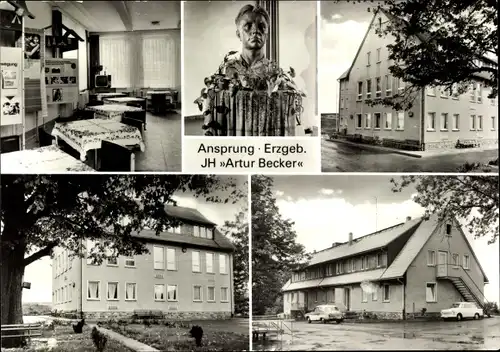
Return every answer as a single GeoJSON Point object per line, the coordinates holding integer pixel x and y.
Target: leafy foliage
{"type": "Point", "coordinates": [471, 198]}
{"type": "Point", "coordinates": [274, 250]}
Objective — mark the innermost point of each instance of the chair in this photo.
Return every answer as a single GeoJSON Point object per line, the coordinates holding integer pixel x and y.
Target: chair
{"type": "Point", "coordinates": [115, 157]}
{"type": "Point", "coordinates": [138, 105]}
{"type": "Point", "coordinates": [10, 144]}
{"type": "Point", "coordinates": [159, 102]}
{"type": "Point", "coordinates": [44, 138]}
{"type": "Point", "coordinates": [95, 103]}
{"type": "Point", "coordinates": [135, 123]}
{"type": "Point", "coordinates": [136, 115]}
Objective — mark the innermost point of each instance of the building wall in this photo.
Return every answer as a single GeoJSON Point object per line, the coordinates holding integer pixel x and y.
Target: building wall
{"type": "Point", "coordinates": [66, 283]}
{"type": "Point", "coordinates": [379, 306]}
{"type": "Point", "coordinates": [440, 137]}
{"type": "Point", "coordinates": [419, 272]}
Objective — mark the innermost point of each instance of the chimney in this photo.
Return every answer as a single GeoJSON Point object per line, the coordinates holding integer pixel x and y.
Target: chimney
{"type": "Point", "coordinates": [350, 238]}
{"type": "Point", "coordinates": [335, 244]}
{"type": "Point", "coordinates": [408, 218]}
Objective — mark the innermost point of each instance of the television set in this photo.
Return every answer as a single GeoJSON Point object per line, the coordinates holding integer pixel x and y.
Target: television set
{"type": "Point", "coordinates": [102, 81]}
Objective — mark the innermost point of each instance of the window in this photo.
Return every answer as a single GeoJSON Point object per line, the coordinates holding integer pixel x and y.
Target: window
{"type": "Point", "coordinates": [430, 292]}
{"type": "Point", "coordinates": [196, 262]}
{"type": "Point", "coordinates": [431, 121]}
{"type": "Point", "coordinates": [380, 260]}
{"type": "Point", "coordinates": [360, 90]}
{"type": "Point", "coordinates": [63, 294]}
{"type": "Point", "coordinates": [203, 232]}
{"type": "Point", "coordinates": [359, 120]}
{"type": "Point", "coordinates": [388, 121]}
{"type": "Point", "coordinates": [472, 122]}
{"type": "Point", "coordinates": [70, 262]}
{"type": "Point", "coordinates": [444, 122]}
{"type": "Point", "coordinates": [116, 55]}
{"type": "Point", "coordinates": [210, 233]}
{"type": "Point", "coordinates": [90, 249]}
{"type": "Point", "coordinates": [472, 92]}
{"type": "Point", "coordinates": [130, 261]}
{"type": "Point", "coordinates": [362, 263]}
{"type": "Point", "coordinates": [93, 290]}
{"type": "Point", "coordinates": [222, 264]}
{"type": "Point", "coordinates": [466, 261]}
{"type": "Point", "coordinates": [196, 231]}
{"type": "Point", "coordinates": [388, 85]}
{"type": "Point", "coordinates": [401, 121]}
{"type": "Point", "coordinates": [493, 123]}
{"type": "Point", "coordinates": [197, 297]}
{"type": "Point", "coordinates": [431, 91]}
{"type": "Point", "coordinates": [378, 87]}
{"type": "Point", "coordinates": [368, 54]}
{"type": "Point", "coordinates": [378, 53]}
{"type": "Point", "coordinates": [443, 93]}
{"type": "Point", "coordinates": [454, 91]}
{"type": "Point", "coordinates": [479, 122]}
{"type": "Point", "coordinates": [368, 88]}
{"type": "Point", "coordinates": [377, 116]}
{"type": "Point", "coordinates": [209, 259]}
{"type": "Point", "coordinates": [210, 294]}
{"type": "Point", "coordinates": [130, 291]}
{"type": "Point", "coordinates": [379, 24]}
{"type": "Point", "coordinates": [113, 259]}
{"type": "Point", "coordinates": [70, 293]}
{"type": "Point", "coordinates": [375, 294]}
{"type": "Point", "coordinates": [159, 65]}
{"type": "Point", "coordinates": [159, 292]}
{"type": "Point", "coordinates": [176, 230]}
{"type": "Point", "coordinates": [112, 291]}
{"type": "Point", "coordinates": [171, 262]}
{"type": "Point", "coordinates": [368, 120]}
{"type": "Point", "coordinates": [159, 260]}
{"type": "Point", "coordinates": [172, 293]}
{"type": "Point", "coordinates": [479, 89]}
{"type": "Point", "coordinates": [456, 122]}
{"type": "Point", "coordinates": [364, 296]}
{"type": "Point", "coordinates": [431, 258]}
{"type": "Point", "coordinates": [448, 229]}
{"type": "Point", "coordinates": [454, 259]}
{"type": "Point", "coordinates": [401, 84]}
{"type": "Point", "coordinates": [387, 293]}
{"type": "Point", "coordinates": [224, 294]}
{"type": "Point", "coordinates": [353, 265]}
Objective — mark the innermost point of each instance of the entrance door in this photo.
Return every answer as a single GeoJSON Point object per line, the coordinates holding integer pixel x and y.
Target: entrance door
{"type": "Point", "coordinates": [347, 298]}
{"type": "Point", "coordinates": [442, 269]}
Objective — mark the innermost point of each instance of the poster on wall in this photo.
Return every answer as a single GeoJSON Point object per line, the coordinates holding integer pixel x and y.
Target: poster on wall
{"type": "Point", "coordinates": [11, 87]}
{"type": "Point", "coordinates": [61, 81]}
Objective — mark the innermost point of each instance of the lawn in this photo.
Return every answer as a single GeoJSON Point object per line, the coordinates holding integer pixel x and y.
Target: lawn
{"type": "Point", "coordinates": [177, 338]}
{"type": "Point", "coordinates": [67, 340]}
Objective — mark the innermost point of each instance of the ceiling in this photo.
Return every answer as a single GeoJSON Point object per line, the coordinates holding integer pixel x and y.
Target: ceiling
{"type": "Point", "coordinates": [118, 16]}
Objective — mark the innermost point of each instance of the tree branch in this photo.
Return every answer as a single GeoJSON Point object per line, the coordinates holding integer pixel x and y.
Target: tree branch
{"type": "Point", "coordinates": [40, 254]}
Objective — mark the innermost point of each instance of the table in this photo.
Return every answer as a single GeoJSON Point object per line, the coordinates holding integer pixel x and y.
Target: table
{"type": "Point", "coordinates": [111, 111]}
{"type": "Point", "coordinates": [123, 100]}
{"type": "Point", "coordinates": [108, 95]}
{"type": "Point", "coordinates": [85, 135]}
{"type": "Point", "coordinates": [48, 159]}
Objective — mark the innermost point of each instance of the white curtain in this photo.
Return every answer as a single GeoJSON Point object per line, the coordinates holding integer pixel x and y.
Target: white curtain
{"type": "Point", "coordinates": [158, 257]}
{"type": "Point", "coordinates": [197, 293]}
{"type": "Point", "coordinates": [209, 259]}
{"type": "Point", "coordinates": [116, 57]}
{"type": "Point", "coordinates": [112, 290]}
{"type": "Point", "coordinates": [159, 291]}
{"type": "Point", "coordinates": [172, 293]}
{"type": "Point", "coordinates": [93, 290]}
{"type": "Point", "coordinates": [196, 261]}
{"type": "Point", "coordinates": [130, 292]}
{"type": "Point", "coordinates": [159, 64]}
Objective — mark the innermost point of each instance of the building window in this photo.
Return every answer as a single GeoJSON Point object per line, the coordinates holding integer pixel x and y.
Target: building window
{"type": "Point", "coordinates": [368, 56]}
{"type": "Point", "coordinates": [377, 119]}
{"type": "Point", "coordinates": [224, 297]}
{"type": "Point", "coordinates": [197, 297]}
{"type": "Point", "coordinates": [401, 121]}
{"type": "Point", "coordinates": [473, 122]}
{"type": "Point", "coordinates": [359, 120]}
{"type": "Point", "coordinates": [368, 88]}
{"type": "Point", "coordinates": [209, 259]}
{"type": "Point", "coordinates": [363, 263]}
{"type": "Point", "coordinates": [353, 265]}
{"type": "Point", "coordinates": [176, 229]}
{"type": "Point", "coordinates": [444, 122]}
{"type": "Point", "coordinates": [70, 293]}
{"type": "Point", "coordinates": [456, 122]}
{"type": "Point", "coordinates": [443, 93]}
{"type": "Point", "coordinates": [360, 90]}
{"type": "Point", "coordinates": [430, 292]}
{"type": "Point", "coordinates": [368, 120]}
{"type": "Point", "coordinates": [364, 295]}
{"type": "Point", "coordinates": [466, 261]}
{"type": "Point", "coordinates": [159, 260]}
{"type": "Point", "coordinates": [455, 259]}
{"type": "Point", "coordinates": [375, 294]}
{"type": "Point", "coordinates": [431, 258]}
{"type": "Point", "coordinates": [388, 121]}
{"type": "Point", "coordinates": [431, 91]}
{"type": "Point", "coordinates": [196, 231]}
{"type": "Point", "coordinates": [112, 259]}
{"type": "Point", "coordinates": [222, 264]}
{"type": "Point", "coordinates": [93, 290]}
{"type": "Point", "coordinates": [401, 85]}
{"type": "Point", "coordinates": [431, 121]}
{"type": "Point", "coordinates": [479, 122]}
{"type": "Point", "coordinates": [196, 262]}
{"type": "Point", "coordinates": [172, 293]}
{"type": "Point", "coordinates": [171, 262]}
{"type": "Point", "coordinates": [380, 260]}
{"type": "Point", "coordinates": [379, 24]}
{"type": "Point", "coordinates": [388, 85]}
{"type": "Point", "coordinates": [90, 249]}
{"type": "Point", "coordinates": [130, 291]}
{"type": "Point", "coordinates": [159, 292]}
{"type": "Point", "coordinates": [448, 229]}
{"type": "Point", "coordinates": [130, 261]}
{"type": "Point", "coordinates": [378, 87]}
{"type": "Point", "coordinates": [210, 294]}
{"type": "Point", "coordinates": [112, 291]}
{"type": "Point", "coordinates": [387, 293]}
{"type": "Point", "coordinates": [378, 53]}
{"type": "Point", "coordinates": [472, 93]}
{"type": "Point", "coordinates": [454, 91]}
{"type": "Point", "coordinates": [479, 88]}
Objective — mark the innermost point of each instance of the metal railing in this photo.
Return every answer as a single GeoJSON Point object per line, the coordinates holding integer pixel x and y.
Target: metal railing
{"type": "Point", "coordinates": [271, 324]}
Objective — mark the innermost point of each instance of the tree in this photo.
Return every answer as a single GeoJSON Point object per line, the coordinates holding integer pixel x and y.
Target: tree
{"type": "Point", "coordinates": [474, 199]}
{"type": "Point", "coordinates": [439, 43]}
{"type": "Point", "coordinates": [41, 212]}
{"type": "Point", "coordinates": [237, 230]}
{"type": "Point", "coordinates": [274, 250]}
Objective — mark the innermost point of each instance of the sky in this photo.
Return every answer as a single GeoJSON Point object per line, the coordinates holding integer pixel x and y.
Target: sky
{"type": "Point", "coordinates": [359, 204]}
{"type": "Point", "coordinates": [39, 273]}
{"type": "Point", "coordinates": [342, 28]}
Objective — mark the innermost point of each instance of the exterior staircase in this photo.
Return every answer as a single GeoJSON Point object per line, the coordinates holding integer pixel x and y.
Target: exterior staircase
{"type": "Point", "coordinates": [466, 293]}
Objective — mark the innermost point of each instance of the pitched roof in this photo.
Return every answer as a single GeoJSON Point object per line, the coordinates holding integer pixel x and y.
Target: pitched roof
{"type": "Point", "coordinates": [345, 74]}
{"type": "Point", "coordinates": [189, 214]}
{"type": "Point", "coordinates": [366, 243]}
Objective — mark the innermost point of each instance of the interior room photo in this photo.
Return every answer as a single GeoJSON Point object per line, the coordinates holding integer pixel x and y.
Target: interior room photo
{"type": "Point", "coordinates": [90, 86]}
{"type": "Point", "coordinates": [210, 41]}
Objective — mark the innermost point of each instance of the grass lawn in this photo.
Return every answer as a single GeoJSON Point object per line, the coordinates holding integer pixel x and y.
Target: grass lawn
{"type": "Point", "coordinates": [67, 340]}
{"type": "Point", "coordinates": [164, 338]}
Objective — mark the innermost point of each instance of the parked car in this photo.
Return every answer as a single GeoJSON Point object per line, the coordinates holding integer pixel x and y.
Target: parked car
{"type": "Point", "coordinates": [462, 310]}
{"type": "Point", "coordinates": [325, 313]}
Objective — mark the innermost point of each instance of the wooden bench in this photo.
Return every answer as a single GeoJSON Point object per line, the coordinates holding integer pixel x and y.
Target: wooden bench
{"type": "Point", "coordinates": [148, 314]}
{"type": "Point", "coordinates": [21, 330]}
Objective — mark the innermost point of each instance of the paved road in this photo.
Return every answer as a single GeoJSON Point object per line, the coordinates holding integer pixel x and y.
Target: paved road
{"type": "Point", "coordinates": [341, 157]}
{"type": "Point", "coordinates": [465, 335]}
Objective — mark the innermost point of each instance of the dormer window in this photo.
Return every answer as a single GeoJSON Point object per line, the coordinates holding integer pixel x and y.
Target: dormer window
{"type": "Point", "coordinates": [203, 232]}
{"type": "Point", "coordinates": [176, 229]}
{"type": "Point", "coordinates": [448, 229]}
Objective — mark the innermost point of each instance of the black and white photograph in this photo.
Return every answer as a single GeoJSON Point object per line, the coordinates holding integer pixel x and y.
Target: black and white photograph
{"type": "Point", "coordinates": [65, 80]}
{"type": "Point", "coordinates": [72, 80]}
{"type": "Point", "coordinates": [257, 73]}
{"type": "Point", "coordinates": [57, 94]}
{"type": "Point", "coordinates": [10, 106]}
{"type": "Point", "coordinates": [56, 80]}
{"type": "Point", "coordinates": [124, 262]}
{"type": "Point", "coordinates": [412, 88]}
{"type": "Point", "coordinates": [32, 46]}
{"type": "Point", "coordinates": [375, 262]}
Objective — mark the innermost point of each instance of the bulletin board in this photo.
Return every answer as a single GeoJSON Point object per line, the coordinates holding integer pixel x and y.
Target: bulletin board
{"type": "Point", "coordinates": [61, 81]}
{"type": "Point", "coordinates": [11, 88]}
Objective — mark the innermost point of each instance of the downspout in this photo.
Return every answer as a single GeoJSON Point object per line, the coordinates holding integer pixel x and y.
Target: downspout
{"type": "Point", "coordinates": [231, 283]}
{"type": "Point", "coordinates": [422, 121]}
{"type": "Point", "coordinates": [81, 283]}
{"type": "Point", "coordinates": [403, 291]}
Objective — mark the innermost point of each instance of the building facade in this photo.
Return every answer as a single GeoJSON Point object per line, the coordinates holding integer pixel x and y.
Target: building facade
{"type": "Point", "coordinates": [437, 119]}
{"type": "Point", "coordinates": [188, 273]}
{"type": "Point", "coordinates": [417, 267]}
